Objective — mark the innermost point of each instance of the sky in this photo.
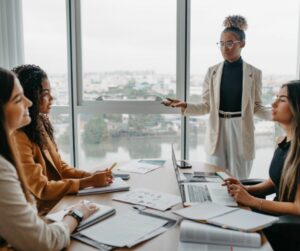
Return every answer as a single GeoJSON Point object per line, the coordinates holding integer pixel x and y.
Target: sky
{"type": "Point", "coordinates": [141, 34]}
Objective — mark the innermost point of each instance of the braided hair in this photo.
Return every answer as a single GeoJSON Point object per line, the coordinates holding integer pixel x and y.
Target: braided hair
{"type": "Point", "coordinates": [31, 78]}
{"type": "Point", "coordinates": [236, 24]}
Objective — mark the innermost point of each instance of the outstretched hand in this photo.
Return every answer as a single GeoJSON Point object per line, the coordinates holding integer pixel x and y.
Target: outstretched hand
{"type": "Point", "coordinates": [174, 103]}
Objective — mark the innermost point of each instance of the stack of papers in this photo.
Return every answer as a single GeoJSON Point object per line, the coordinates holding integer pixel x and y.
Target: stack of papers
{"type": "Point", "coordinates": [126, 229]}
{"type": "Point", "coordinates": [141, 166]}
{"type": "Point", "coordinates": [149, 198]}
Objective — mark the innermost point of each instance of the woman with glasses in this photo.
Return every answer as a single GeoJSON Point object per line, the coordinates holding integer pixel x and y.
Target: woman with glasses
{"type": "Point", "coordinates": [49, 177]}
{"type": "Point", "coordinates": [231, 95]}
{"type": "Point", "coordinates": [20, 226]}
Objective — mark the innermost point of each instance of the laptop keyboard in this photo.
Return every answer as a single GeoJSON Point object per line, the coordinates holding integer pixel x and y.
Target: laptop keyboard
{"type": "Point", "coordinates": [198, 193]}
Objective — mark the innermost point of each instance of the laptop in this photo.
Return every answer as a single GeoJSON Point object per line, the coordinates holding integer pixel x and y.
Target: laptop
{"type": "Point", "coordinates": [197, 192]}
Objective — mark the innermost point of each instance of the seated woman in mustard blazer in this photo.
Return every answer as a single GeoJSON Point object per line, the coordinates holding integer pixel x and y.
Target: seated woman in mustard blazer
{"type": "Point", "coordinates": [20, 226]}
{"type": "Point", "coordinates": [49, 177]}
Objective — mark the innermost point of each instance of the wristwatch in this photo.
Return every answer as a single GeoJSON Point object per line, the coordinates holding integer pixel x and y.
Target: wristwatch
{"type": "Point", "coordinates": [76, 214]}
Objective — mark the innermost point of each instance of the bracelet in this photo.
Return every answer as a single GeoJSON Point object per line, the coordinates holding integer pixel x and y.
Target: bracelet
{"type": "Point", "coordinates": [260, 204]}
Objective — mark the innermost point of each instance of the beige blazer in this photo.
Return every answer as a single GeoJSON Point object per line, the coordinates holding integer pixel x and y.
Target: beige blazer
{"type": "Point", "coordinates": [251, 104]}
{"type": "Point", "coordinates": [49, 178]}
{"type": "Point", "coordinates": [20, 226]}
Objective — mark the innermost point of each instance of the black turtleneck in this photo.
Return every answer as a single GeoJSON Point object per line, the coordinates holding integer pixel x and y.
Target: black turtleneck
{"type": "Point", "coordinates": [278, 162]}
{"type": "Point", "coordinates": [232, 86]}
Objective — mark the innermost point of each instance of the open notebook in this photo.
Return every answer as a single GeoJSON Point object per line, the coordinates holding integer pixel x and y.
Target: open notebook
{"type": "Point", "coordinates": [227, 217]}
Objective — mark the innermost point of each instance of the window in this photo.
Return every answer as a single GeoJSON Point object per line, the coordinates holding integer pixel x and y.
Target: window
{"type": "Point", "coordinates": [129, 49]}
{"type": "Point", "coordinates": [121, 137]}
{"type": "Point", "coordinates": [45, 45]}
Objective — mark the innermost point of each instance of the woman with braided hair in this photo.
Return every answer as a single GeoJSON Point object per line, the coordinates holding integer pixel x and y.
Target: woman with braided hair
{"type": "Point", "coordinates": [231, 95]}
{"type": "Point", "coordinates": [49, 177]}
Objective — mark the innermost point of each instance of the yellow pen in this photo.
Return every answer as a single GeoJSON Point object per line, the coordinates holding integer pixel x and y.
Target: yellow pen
{"type": "Point", "coordinates": [112, 166]}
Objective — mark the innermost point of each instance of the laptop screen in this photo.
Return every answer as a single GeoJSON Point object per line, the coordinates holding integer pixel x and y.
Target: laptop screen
{"type": "Point", "coordinates": [180, 186]}
{"type": "Point", "coordinates": [175, 164]}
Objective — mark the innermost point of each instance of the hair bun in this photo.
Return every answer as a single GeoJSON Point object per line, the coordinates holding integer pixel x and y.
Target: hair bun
{"type": "Point", "coordinates": [236, 21]}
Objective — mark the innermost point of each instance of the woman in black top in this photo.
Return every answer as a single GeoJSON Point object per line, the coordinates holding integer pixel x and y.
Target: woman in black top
{"type": "Point", "coordinates": [231, 96]}
{"type": "Point", "coordinates": [285, 166]}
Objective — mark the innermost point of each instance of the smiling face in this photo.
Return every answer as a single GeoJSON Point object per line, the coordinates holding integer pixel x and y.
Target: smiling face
{"type": "Point", "coordinates": [281, 111]}
{"type": "Point", "coordinates": [46, 97]}
{"type": "Point", "coordinates": [234, 53]}
{"type": "Point", "coordinates": [16, 109]}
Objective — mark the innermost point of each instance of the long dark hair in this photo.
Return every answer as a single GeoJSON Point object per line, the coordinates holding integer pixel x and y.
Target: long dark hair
{"type": "Point", "coordinates": [7, 81]}
{"type": "Point", "coordinates": [31, 78]}
{"type": "Point", "coordinates": [290, 177]}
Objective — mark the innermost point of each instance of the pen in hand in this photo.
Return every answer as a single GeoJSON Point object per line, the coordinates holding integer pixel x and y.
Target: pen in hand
{"type": "Point", "coordinates": [112, 166]}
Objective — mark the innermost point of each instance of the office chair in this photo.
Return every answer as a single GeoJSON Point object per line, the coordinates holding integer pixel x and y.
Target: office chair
{"type": "Point", "coordinates": [284, 234]}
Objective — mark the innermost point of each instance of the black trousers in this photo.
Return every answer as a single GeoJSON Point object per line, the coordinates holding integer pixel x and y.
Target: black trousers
{"type": "Point", "coordinates": [283, 237]}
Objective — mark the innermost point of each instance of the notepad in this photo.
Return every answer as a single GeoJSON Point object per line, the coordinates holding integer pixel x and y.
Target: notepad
{"type": "Point", "coordinates": [117, 185]}
{"type": "Point", "coordinates": [103, 212]}
{"type": "Point", "coordinates": [227, 217]}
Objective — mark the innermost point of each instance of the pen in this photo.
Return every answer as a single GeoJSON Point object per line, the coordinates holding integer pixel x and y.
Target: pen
{"type": "Point", "coordinates": [112, 166]}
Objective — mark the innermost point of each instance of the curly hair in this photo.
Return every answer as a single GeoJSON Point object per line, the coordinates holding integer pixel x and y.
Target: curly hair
{"type": "Point", "coordinates": [31, 78]}
{"type": "Point", "coordinates": [236, 24]}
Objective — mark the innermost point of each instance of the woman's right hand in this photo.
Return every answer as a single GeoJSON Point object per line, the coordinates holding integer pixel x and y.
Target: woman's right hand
{"type": "Point", "coordinates": [174, 103]}
{"type": "Point", "coordinates": [231, 181]}
{"type": "Point", "coordinates": [86, 208]}
{"type": "Point", "coordinates": [103, 178]}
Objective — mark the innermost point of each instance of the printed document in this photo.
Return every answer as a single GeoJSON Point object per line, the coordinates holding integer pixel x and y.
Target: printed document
{"type": "Point", "coordinates": [124, 230]}
{"type": "Point", "coordinates": [149, 198]}
{"type": "Point", "coordinates": [141, 166]}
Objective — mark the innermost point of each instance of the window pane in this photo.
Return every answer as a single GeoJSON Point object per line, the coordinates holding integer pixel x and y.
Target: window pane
{"type": "Point", "coordinates": [129, 49]}
{"type": "Point", "coordinates": [45, 43]}
{"type": "Point", "coordinates": [271, 35]}
{"type": "Point", "coordinates": [61, 124]}
{"type": "Point", "coordinates": [121, 137]}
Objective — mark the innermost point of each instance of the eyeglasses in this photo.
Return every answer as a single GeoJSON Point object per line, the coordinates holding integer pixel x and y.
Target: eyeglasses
{"type": "Point", "coordinates": [228, 44]}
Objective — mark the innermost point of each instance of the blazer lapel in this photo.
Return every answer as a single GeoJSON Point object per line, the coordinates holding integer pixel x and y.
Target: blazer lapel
{"type": "Point", "coordinates": [50, 158]}
{"type": "Point", "coordinates": [247, 85]}
{"type": "Point", "coordinates": [217, 75]}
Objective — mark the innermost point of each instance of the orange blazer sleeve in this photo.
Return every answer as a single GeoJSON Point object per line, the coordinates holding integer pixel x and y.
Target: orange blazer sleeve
{"type": "Point", "coordinates": [69, 172]}
{"type": "Point", "coordinates": [37, 172]}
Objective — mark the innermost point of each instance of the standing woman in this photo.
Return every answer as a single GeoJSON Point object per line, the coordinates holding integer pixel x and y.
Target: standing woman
{"type": "Point", "coordinates": [231, 95]}
{"type": "Point", "coordinates": [20, 226]}
{"type": "Point", "coordinates": [49, 177]}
